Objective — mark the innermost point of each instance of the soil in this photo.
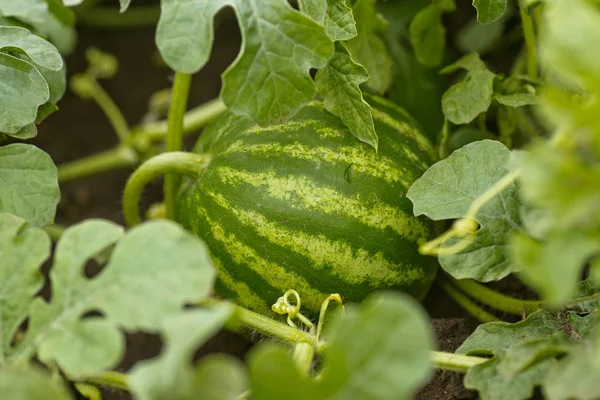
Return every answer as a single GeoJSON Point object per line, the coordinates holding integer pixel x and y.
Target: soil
{"type": "Point", "coordinates": [80, 129]}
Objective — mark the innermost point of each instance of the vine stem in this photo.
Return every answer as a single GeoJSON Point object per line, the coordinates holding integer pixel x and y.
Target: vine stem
{"type": "Point", "coordinates": [530, 40]}
{"type": "Point", "coordinates": [179, 97]}
{"type": "Point", "coordinates": [494, 299]}
{"type": "Point", "coordinates": [454, 362]}
{"type": "Point", "coordinates": [113, 379]}
{"type": "Point", "coordinates": [189, 164]}
{"type": "Point", "coordinates": [193, 120]}
{"type": "Point", "coordinates": [118, 157]}
{"type": "Point", "coordinates": [464, 301]}
{"type": "Point", "coordinates": [110, 109]}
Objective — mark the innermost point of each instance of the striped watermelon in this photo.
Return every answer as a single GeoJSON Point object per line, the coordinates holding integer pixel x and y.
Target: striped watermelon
{"type": "Point", "coordinates": [306, 206]}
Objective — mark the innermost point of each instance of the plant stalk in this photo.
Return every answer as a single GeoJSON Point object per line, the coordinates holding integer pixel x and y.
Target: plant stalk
{"type": "Point", "coordinates": [465, 302]}
{"type": "Point", "coordinates": [118, 157]}
{"type": "Point", "coordinates": [496, 300]}
{"type": "Point", "coordinates": [110, 109]}
{"type": "Point", "coordinates": [173, 162]}
{"type": "Point", "coordinates": [454, 362]}
{"type": "Point", "coordinates": [193, 120]}
{"type": "Point", "coordinates": [113, 379]}
{"type": "Point", "coordinates": [179, 97]}
{"type": "Point", "coordinates": [530, 40]}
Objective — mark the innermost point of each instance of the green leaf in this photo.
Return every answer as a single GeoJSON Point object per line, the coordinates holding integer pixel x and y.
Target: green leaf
{"type": "Point", "coordinates": [554, 266]}
{"type": "Point", "coordinates": [269, 81]}
{"type": "Point", "coordinates": [465, 100]}
{"type": "Point", "coordinates": [171, 376]}
{"type": "Point", "coordinates": [516, 99]}
{"type": "Point", "coordinates": [447, 189]}
{"type": "Point", "coordinates": [493, 384]}
{"type": "Point", "coordinates": [29, 183]}
{"type": "Point", "coordinates": [489, 11]}
{"type": "Point", "coordinates": [30, 11]}
{"type": "Point", "coordinates": [478, 38]}
{"type": "Point", "coordinates": [31, 384]}
{"type": "Point", "coordinates": [379, 350]}
{"type": "Point", "coordinates": [22, 252]}
{"type": "Point", "coordinates": [154, 270]}
{"type": "Point", "coordinates": [334, 15]}
{"type": "Point", "coordinates": [22, 90]}
{"type": "Point", "coordinates": [428, 34]}
{"type": "Point", "coordinates": [416, 88]}
{"type": "Point", "coordinates": [575, 376]}
{"type": "Point", "coordinates": [367, 48]}
{"type": "Point", "coordinates": [40, 51]}
{"type": "Point", "coordinates": [494, 338]}
{"type": "Point", "coordinates": [338, 82]}
{"type": "Point", "coordinates": [465, 135]}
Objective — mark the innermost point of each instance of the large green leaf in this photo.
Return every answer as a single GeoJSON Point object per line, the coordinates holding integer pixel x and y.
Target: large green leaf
{"type": "Point", "coordinates": [446, 191]}
{"type": "Point", "coordinates": [30, 11]}
{"type": "Point", "coordinates": [334, 15]}
{"type": "Point", "coordinates": [171, 376]}
{"type": "Point", "coordinates": [22, 252]}
{"type": "Point", "coordinates": [269, 81]}
{"type": "Point", "coordinates": [29, 183]}
{"type": "Point", "coordinates": [367, 48]}
{"type": "Point", "coordinates": [338, 82]}
{"type": "Point", "coordinates": [154, 270]}
{"type": "Point", "coordinates": [380, 350]}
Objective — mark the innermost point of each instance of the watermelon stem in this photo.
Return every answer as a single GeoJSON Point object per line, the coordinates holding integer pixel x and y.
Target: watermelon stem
{"type": "Point", "coordinates": [496, 300]}
{"type": "Point", "coordinates": [172, 162]}
{"type": "Point", "coordinates": [464, 301]}
{"type": "Point", "coordinates": [179, 98]}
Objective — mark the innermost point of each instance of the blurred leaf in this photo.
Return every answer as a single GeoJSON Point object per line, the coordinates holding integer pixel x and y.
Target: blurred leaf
{"type": "Point", "coordinates": [124, 4]}
{"type": "Point", "coordinates": [29, 184]}
{"type": "Point", "coordinates": [170, 375]}
{"type": "Point", "coordinates": [269, 81]}
{"type": "Point", "coordinates": [154, 270]}
{"type": "Point", "coordinates": [465, 135]}
{"type": "Point", "coordinates": [575, 376]}
{"type": "Point", "coordinates": [428, 34]}
{"type": "Point", "coordinates": [415, 88]}
{"type": "Point", "coordinates": [379, 350]}
{"type": "Point", "coordinates": [446, 191]}
{"type": "Point", "coordinates": [30, 11]}
{"type": "Point", "coordinates": [489, 11]}
{"type": "Point", "coordinates": [478, 38]}
{"type": "Point", "coordinates": [23, 251]}
{"type": "Point", "coordinates": [367, 48]}
{"type": "Point", "coordinates": [465, 100]}
{"type": "Point", "coordinates": [516, 99]}
{"type": "Point", "coordinates": [554, 266]}
{"type": "Point", "coordinates": [338, 82]}
{"type": "Point", "coordinates": [31, 384]}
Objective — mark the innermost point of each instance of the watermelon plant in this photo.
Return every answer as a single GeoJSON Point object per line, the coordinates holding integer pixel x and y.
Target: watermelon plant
{"type": "Point", "coordinates": [366, 164]}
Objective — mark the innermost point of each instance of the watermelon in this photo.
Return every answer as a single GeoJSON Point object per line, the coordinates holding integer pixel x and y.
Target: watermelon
{"type": "Point", "coordinates": [304, 205]}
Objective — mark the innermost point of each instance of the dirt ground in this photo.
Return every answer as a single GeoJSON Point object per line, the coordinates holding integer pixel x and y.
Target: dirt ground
{"type": "Point", "coordinates": [80, 129]}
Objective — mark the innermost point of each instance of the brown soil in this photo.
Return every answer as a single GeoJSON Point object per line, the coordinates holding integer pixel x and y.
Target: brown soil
{"type": "Point", "coordinates": [80, 129]}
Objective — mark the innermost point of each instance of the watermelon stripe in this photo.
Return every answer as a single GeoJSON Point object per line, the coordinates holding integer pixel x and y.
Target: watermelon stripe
{"type": "Point", "coordinates": [350, 264]}
{"type": "Point", "coordinates": [244, 294]}
{"type": "Point", "coordinates": [272, 273]}
{"type": "Point", "coordinates": [301, 192]}
{"type": "Point", "coordinates": [363, 162]}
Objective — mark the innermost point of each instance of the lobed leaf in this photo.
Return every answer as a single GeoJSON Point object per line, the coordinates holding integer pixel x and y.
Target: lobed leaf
{"type": "Point", "coordinates": [269, 81]}
{"type": "Point", "coordinates": [31, 384]}
{"type": "Point", "coordinates": [379, 350]}
{"type": "Point", "coordinates": [154, 270]}
{"type": "Point", "coordinates": [171, 376]}
{"type": "Point", "coordinates": [338, 82]}
{"type": "Point", "coordinates": [29, 184]}
{"type": "Point", "coordinates": [334, 15]}
{"type": "Point", "coordinates": [446, 191]}
{"type": "Point", "coordinates": [22, 251]}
